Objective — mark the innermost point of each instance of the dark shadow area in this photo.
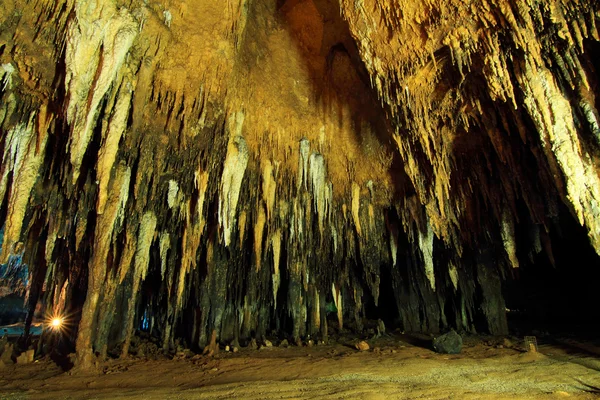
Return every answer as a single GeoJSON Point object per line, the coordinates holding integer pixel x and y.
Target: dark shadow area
{"type": "Point", "coordinates": [12, 309]}
{"type": "Point", "coordinates": [564, 349]}
{"type": "Point", "coordinates": [556, 291]}
{"type": "Point", "coordinates": [62, 360]}
{"type": "Point", "coordinates": [417, 340]}
{"type": "Point", "coordinates": [386, 309]}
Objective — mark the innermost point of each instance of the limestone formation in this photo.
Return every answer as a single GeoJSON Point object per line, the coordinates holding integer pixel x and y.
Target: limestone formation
{"type": "Point", "coordinates": [218, 170]}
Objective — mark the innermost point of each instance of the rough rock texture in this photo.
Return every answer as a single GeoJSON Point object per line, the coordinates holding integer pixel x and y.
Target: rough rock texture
{"type": "Point", "coordinates": [26, 357]}
{"type": "Point", "coordinates": [204, 167]}
{"type": "Point", "coordinates": [362, 346]}
{"type": "Point", "coordinates": [448, 343]}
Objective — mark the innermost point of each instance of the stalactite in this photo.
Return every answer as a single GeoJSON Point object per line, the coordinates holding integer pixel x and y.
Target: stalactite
{"type": "Point", "coordinates": [339, 304]}
{"type": "Point", "coordinates": [276, 277]}
{"type": "Point", "coordinates": [23, 157]}
{"type": "Point", "coordinates": [356, 207]}
{"type": "Point", "coordinates": [258, 236]}
{"type": "Point", "coordinates": [319, 187]}
{"type": "Point", "coordinates": [303, 163]}
{"type": "Point", "coordinates": [269, 188]}
{"type": "Point", "coordinates": [508, 239]}
{"type": "Point", "coordinates": [108, 150]}
{"type": "Point", "coordinates": [234, 168]}
{"type": "Point", "coordinates": [96, 47]}
{"type": "Point", "coordinates": [426, 246]}
{"type": "Point", "coordinates": [562, 145]}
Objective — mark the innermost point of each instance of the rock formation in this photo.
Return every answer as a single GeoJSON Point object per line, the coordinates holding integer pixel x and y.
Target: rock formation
{"type": "Point", "coordinates": [236, 166]}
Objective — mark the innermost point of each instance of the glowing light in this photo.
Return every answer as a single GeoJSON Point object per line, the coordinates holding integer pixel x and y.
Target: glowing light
{"type": "Point", "coordinates": [58, 323]}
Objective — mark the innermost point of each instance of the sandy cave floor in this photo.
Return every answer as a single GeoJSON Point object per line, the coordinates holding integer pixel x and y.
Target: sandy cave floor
{"type": "Point", "coordinates": [393, 369]}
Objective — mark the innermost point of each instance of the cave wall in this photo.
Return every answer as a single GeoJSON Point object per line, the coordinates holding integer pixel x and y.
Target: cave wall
{"type": "Point", "coordinates": [256, 166]}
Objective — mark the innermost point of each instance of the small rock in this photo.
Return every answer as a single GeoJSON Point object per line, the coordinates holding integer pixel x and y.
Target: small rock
{"type": "Point", "coordinates": [253, 345]}
{"type": "Point", "coordinates": [507, 343]}
{"type": "Point", "coordinates": [268, 343]}
{"type": "Point", "coordinates": [235, 349]}
{"type": "Point", "coordinates": [310, 343]}
{"type": "Point", "coordinates": [449, 343]}
{"type": "Point", "coordinates": [284, 343]}
{"type": "Point", "coordinates": [227, 348]}
{"type": "Point", "coordinates": [380, 328]}
{"type": "Point", "coordinates": [362, 346]}
{"type": "Point", "coordinates": [7, 354]}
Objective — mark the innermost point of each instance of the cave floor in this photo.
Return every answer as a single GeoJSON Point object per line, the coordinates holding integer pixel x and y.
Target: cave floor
{"type": "Point", "coordinates": [397, 367]}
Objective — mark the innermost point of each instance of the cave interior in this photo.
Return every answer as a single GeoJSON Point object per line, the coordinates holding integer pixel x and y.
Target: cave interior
{"type": "Point", "coordinates": [200, 173]}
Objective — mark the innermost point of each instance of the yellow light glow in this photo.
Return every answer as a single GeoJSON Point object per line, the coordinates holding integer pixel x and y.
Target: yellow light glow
{"type": "Point", "coordinates": [58, 323]}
